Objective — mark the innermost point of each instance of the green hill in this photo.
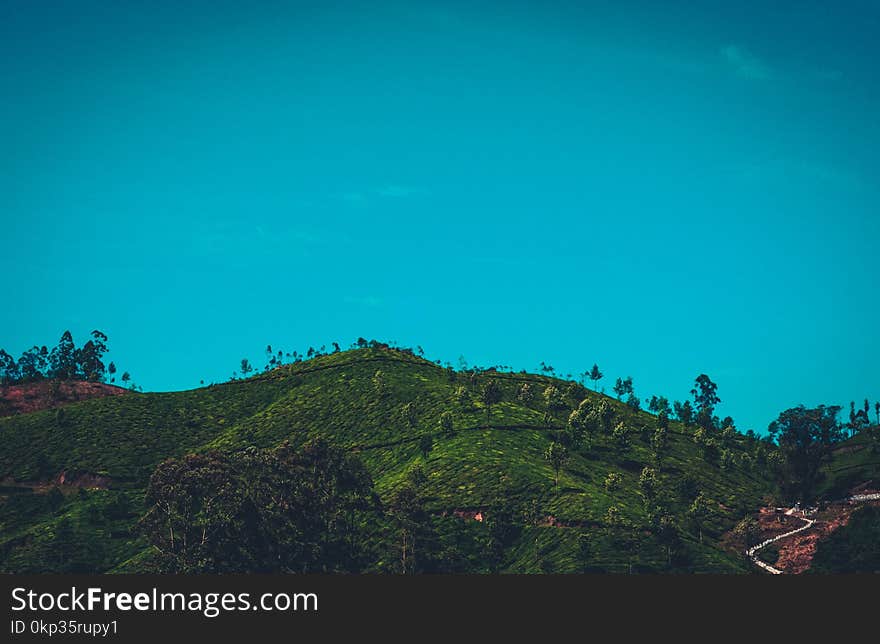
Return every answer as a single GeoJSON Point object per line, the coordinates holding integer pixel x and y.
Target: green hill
{"type": "Point", "coordinates": [485, 463]}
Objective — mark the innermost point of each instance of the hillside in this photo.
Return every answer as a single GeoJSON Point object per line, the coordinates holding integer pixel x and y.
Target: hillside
{"type": "Point", "coordinates": [107, 448]}
{"type": "Point", "coordinates": [49, 394]}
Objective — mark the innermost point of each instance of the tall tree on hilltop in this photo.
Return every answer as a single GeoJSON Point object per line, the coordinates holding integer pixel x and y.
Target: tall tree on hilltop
{"type": "Point", "coordinates": [62, 360]}
{"type": "Point", "coordinates": [33, 363]}
{"type": "Point", "coordinates": [705, 400]}
{"type": "Point", "coordinates": [596, 376]}
{"type": "Point", "coordinates": [8, 369]}
{"type": "Point", "coordinates": [623, 387]}
{"type": "Point", "coordinates": [90, 365]}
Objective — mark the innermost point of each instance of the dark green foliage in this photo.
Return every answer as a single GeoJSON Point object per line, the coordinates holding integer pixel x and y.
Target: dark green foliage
{"type": "Point", "coordinates": [853, 548]}
{"type": "Point", "coordinates": [806, 438]}
{"type": "Point", "coordinates": [64, 362]}
{"type": "Point", "coordinates": [279, 510]}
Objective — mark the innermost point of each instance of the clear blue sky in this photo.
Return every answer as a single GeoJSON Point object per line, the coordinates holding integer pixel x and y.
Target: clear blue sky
{"type": "Point", "coordinates": [660, 188]}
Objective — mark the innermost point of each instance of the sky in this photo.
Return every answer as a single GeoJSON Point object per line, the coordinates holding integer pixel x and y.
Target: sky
{"type": "Point", "coordinates": [665, 189]}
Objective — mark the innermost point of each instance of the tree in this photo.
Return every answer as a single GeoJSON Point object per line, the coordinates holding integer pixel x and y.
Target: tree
{"type": "Point", "coordinates": [659, 444]}
{"type": "Point", "coordinates": [447, 424]}
{"type": "Point", "coordinates": [604, 415]}
{"type": "Point", "coordinates": [32, 364]}
{"type": "Point", "coordinates": [410, 414]}
{"type": "Point", "coordinates": [126, 377]}
{"type": "Point", "coordinates": [620, 436]}
{"type": "Point", "coordinates": [462, 397]}
{"type": "Point", "coordinates": [62, 359]}
{"type": "Point", "coordinates": [90, 365]}
{"type": "Point", "coordinates": [699, 512]}
{"type": "Point", "coordinates": [413, 525]}
{"type": "Point", "coordinates": [8, 369]}
{"type": "Point", "coordinates": [581, 424]}
{"type": "Point", "coordinates": [648, 485]}
{"type": "Point", "coordinates": [555, 401]}
{"type": "Point", "coordinates": [282, 510]}
{"type": "Point", "coordinates": [585, 549]}
{"type": "Point", "coordinates": [806, 438]}
{"type": "Point", "coordinates": [684, 412]}
{"type": "Point", "coordinates": [633, 402]}
{"type": "Point", "coordinates": [557, 455]}
{"type": "Point", "coordinates": [426, 444]}
{"type": "Point", "coordinates": [490, 394]}
{"type": "Point", "coordinates": [668, 536]}
{"type": "Point", "coordinates": [623, 387]}
{"type": "Point", "coordinates": [524, 394]}
{"type": "Point", "coordinates": [379, 384]}
{"type": "Point", "coordinates": [705, 400]}
{"type": "Point", "coordinates": [659, 405]}
{"type": "Point", "coordinates": [111, 371]}
{"type": "Point", "coordinates": [877, 411]}
{"type": "Point", "coordinates": [246, 367]}
{"type": "Point", "coordinates": [613, 482]}
{"type": "Point", "coordinates": [748, 530]}
{"type": "Point", "coordinates": [596, 376]}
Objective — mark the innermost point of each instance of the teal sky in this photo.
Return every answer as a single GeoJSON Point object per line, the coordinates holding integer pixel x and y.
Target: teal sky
{"type": "Point", "coordinates": [663, 188]}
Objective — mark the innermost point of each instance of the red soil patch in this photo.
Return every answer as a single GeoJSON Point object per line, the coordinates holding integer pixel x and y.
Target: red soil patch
{"type": "Point", "coordinates": [49, 394]}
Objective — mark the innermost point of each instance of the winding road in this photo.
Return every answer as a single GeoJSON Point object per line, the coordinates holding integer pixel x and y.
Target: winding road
{"type": "Point", "coordinates": [752, 552]}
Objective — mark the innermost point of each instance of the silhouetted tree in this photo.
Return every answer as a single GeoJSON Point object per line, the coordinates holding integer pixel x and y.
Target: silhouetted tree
{"type": "Point", "coordinates": [684, 412]}
{"type": "Point", "coordinates": [623, 387]}
{"type": "Point", "coordinates": [8, 369]}
{"type": "Point", "coordinates": [62, 360]}
{"type": "Point", "coordinates": [596, 376]}
{"type": "Point", "coordinates": [246, 367]}
{"type": "Point", "coordinates": [659, 405]}
{"type": "Point", "coordinates": [705, 400]}
{"type": "Point", "coordinates": [32, 364]}
{"type": "Point", "coordinates": [806, 438]}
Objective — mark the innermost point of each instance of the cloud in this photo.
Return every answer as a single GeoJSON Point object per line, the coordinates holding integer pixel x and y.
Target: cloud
{"type": "Point", "coordinates": [745, 63]}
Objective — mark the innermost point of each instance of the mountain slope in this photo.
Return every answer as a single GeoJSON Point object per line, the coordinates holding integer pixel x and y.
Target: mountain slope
{"type": "Point", "coordinates": [488, 460]}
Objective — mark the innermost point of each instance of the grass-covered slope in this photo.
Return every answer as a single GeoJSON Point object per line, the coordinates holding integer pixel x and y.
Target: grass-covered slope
{"type": "Point", "coordinates": [487, 461]}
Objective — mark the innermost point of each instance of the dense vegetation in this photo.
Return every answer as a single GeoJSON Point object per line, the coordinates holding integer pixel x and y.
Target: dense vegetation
{"type": "Point", "coordinates": [852, 548]}
{"type": "Point", "coordinates": [559, 478]}
{"type": "Point", "coordinates": [65, 361]}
